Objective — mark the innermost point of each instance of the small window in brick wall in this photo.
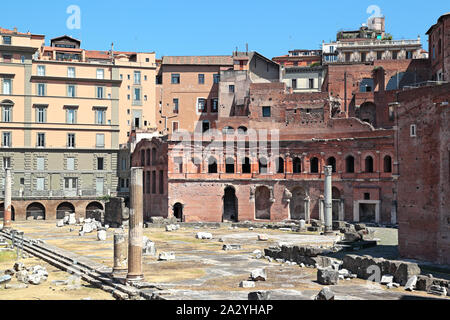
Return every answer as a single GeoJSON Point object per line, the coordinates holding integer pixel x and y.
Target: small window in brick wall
{"type": "Point", "coordinates": [366, 196]}
{"type": "Point", "coordinates": [413, 130]}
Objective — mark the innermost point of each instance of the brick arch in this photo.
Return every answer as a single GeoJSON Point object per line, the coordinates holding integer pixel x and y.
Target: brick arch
{"type": "Point", "coordinates": [64, 207]}
{"type": "Point", "coordinates": [2, 212]}
{"type": "Point", "coordinates": [36, 210]}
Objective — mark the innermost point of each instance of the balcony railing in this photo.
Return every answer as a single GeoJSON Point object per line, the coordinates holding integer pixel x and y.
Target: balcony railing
{"type": "Point", "coordinates": [91, 193]}
{"type": "Point", "coordinates": [378, 43]}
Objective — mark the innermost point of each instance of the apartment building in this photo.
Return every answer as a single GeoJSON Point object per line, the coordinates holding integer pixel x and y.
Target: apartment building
{"type": "Point", "coordinates": [187, 92]}
{"type": "Point", "coordinates": [300, 58]}
{"type": "Point", "coordinates": [66, 112]}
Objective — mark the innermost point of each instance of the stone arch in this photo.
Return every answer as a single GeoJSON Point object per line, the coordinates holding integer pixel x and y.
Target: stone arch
{"type": "Point", "coordinates": [314, 165]}
{"type": "Point", "coordinates": [369, 164]}
{"type": "Point", "coordinates": [242, 129]}
{"type": "Point", "coordinates": [2, 212]}
{"type": "Point", "coordinates": [229, 165]}
{"type": "Point", "coordinates": [35, 211]}
{"type": "Point", "coordinates": [280, 165]}
{"type": "Point", "coordinates": [246, 166]}
{"type": "Point", "coordinates": [262, 203]}
{"type": "Point", "coordinates": [230, 205]}
{"type": "Point", "coordinates": [94, 210]}
{"type": "Point", "coordinates": [63, 208]}
{"type": "Point", "coordinates": [368, 113]}
{"type": "Point", "coordinates": [331, 161]}
{"type": "Point", "coordinates": [297, 165]}
{"type": "Point", "coordinates": [228, 130]}
{"type": "Point", "coordinates": [387, 164]}
{"type": "Point", "coordinates": [350, 164]}
{"type": "Point", "coordinates": [178, 209]}
{"type": "Point", "coordinates": [197, 165]}
{"type": "Point", "coordinates": [297, 205]}
{"type": "Point", "coordinates": [212, 165]}
{"type": "Point", "coordinates": [336, 196]}
{"type": "Point", "coordinates": [263, 165]}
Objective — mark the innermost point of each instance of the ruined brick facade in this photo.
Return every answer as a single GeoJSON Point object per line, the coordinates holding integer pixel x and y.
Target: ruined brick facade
{"type": "Point", "coordinates": [439, 46]}
{"type": "Point", "coordinates": [423, 144]}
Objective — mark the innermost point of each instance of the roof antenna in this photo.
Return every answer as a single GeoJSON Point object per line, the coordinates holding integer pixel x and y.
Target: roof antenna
{"type": "Point", "coordinates": [112, 52]}
{"type": "Point", "coordinates": [246, 48]}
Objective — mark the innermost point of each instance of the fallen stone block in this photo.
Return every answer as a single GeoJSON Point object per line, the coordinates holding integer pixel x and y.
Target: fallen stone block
{"type": "Point", "coordinates": [360, 226]}
{"type": "Point", "coordinates": [387, 279]}
{"type": "Point", "coordinates": [258, 275]}
{"type": "Point", "coordinates": [338, 225]}
{"type": "Point", "coordinates": [148, 248]}
{"type": "Point", "coordinates": [247, 284]}
{"type": "Point", "coordinates": [16, 286]}
{"type": "Point", "coordinates": [258, 254]}
{"type": "Point", "coordinates": [424, 283]}
{"type": "Point", "coordinates": [166, 256]}
{"type": "Point", "coordinates": [438, 290]}
{"type": "Point", "coordinates": [259, 296]}
{"type": "Point", "coordinates": [34, 279]}
{"type": "Point", "coordinates": [327, 277]}
{"type": "Point", "coordinates": [5, 279]}
{"type": "Point", "coordinates": [19, 266]}
{"type": "Point", "coordinates": [325, 295]}
{"type": "Point", "coordinates": [231, 247]}
{"type": "Point", "coordinates": [204, 236]}
{"type": "Point", "coordinates": [405, 271]}
{"type": "Point", "coordinates": [60, 223]}
{"type": "Point", "coordinates": [411, 284]}
{"type": "Point", "coordinates": [22, 276]}
{"type": "Point", "coordinates": [263, 237]}
{"type": "Point", "coordinates": [101, 235]}
{"type": "Point", "coordinates": [352, 237]}
{"type": "Point", "coordinates": [60, 283]}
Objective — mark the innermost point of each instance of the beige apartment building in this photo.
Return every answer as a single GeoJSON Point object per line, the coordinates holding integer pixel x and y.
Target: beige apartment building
{"type": "Point", "coordinates": [66, 117]}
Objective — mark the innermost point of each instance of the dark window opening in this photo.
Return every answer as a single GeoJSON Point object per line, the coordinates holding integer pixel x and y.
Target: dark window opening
{"type": "Point", "coordinates": [314, 165]}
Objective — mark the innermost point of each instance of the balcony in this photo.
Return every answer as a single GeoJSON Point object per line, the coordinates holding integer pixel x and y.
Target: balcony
{"type": "Point", "coordinates": [82, 193]}
{"type": "Point", "coordinates": [378, 43]}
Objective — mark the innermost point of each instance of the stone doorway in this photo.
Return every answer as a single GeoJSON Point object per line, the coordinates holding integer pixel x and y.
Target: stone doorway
{"type": "Point", "coordinates": [178, 211]}
{"type": "Point", "coordinates": [367, 212]}
{"type": "Point", "coordinates": [298, 204]}
{"type": "Point", "coordinates": [230, 205]}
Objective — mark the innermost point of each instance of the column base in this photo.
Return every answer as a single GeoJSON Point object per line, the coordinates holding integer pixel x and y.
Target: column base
{"type": "Point", "coordinates": [135, 278]}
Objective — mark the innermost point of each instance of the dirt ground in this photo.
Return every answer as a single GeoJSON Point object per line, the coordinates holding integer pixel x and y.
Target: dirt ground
{"type": "Point", "coordinates": [202, 270]}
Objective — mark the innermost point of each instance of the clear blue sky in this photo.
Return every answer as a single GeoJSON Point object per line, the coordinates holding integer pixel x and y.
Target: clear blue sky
{"type": "Point", "coordinates": [215, 27]}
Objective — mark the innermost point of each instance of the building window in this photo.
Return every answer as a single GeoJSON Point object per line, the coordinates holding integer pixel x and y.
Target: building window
{"type": "Point", "coordinates": [216, 78]}
{"type": "Point", "coordinates": [100, 140]}
{"type": "Point", "coordinates": [215, 105]}
{"type": "Point", "coordinates": [71, 116]}
{"type": "Point", "coordinates": [41, 140]}
{"type": "Point", "coordinates": [6, 162]}
{"type": "Point", "coordinates": [350, 164]}
{"type": "Point", "coordinates": [154, 182]}
{"type": "Point", "coordinates": [413, 131]}
{"type": "Point", "coordinates": [314, 165]}
{"type": "Point", "coordinates": [40, 164]}
{"type": "Point", "coordinates": [137, 94]}
{"type": "Point", "coordinates": [41, 71]}
{"type": "Point", "coordinates": [41, 89]}
{"type": "Point", "coordinates": [387, 164]}
{"type": "Point", "coordinates": [311, 83]}
{"type": "Point", "coordinates": [263, 165]}
{"type": "Point", "coordinates": [369, 164]}
{"type": "Point", "coordinates": [379, 55]}
{"type": "Point", "coordinates": [246, 166]}
{"type": "Point", "coordinates": [7, 86]}
{"type": "Point", "coordinates": [201, 105]}
{"type": "Point", "coordinates": [7, 40]}
{"type": "Point", "coordinates": [137, 77]}
{"type": "Point", "coordinates": [71, 72]}
{"type": "Point", "coordinates": [7, 58]}
{"type": "Point", "coordinates": [100, 164]}
{"type": "Point", "coordinates": [212, 165]}
{"type": "Point", "coordinates": [70, 164]}
{"type": "Point", "coordinates": [394, 55]}
{"type": "Point", "coordinates": [175, 106]}
{"type": "Point", "coordinates": [6, 139]}
{"type": "Point", "coordinates": [266, 112]}
{"type": "Point", "coordinates": [40, 184]}
{"type": "Point", "coordinates": [205, 126]}
{"type": "Point", "coordinates": [41, 114]}
{"type": "Point", "coordinates": [175, 126]}
{"type": "Point", "coordinates": [100, 115]}
{"type": "Point", "coordinates": [100, 74]}
{"type": "Point", "coordinates": [231, 88]}
{"type": "Point", "coordinates": [147, 182]}
{"type": "Point", "coordinates": [175, 78]}
{"type": "Point", "coordinates": [294, 83]}
{"type": "Point", "coordinates": [100, 92]}
{"type": "Point", "coordinates": [201, 79]}
{"type": "Point", "coordinates": [409, 55]}
{"type": "Point", "coordinates": [71, 140]}
{"type": "Point", "coordinates": [71, 91]}
{"type": "Point", "coordinates": [6, 114]}
{"type": "Point", "coordinates": [297, 166]}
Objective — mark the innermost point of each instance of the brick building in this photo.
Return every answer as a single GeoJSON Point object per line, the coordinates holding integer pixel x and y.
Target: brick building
{"type": "Point", "coordinates": [286, 182]}
{"type": "Point", "coordinates": [439, 43]}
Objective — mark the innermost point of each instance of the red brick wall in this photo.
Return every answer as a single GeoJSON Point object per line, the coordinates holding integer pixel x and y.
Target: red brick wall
{"type": "Point", "coordinates": [423, 186]}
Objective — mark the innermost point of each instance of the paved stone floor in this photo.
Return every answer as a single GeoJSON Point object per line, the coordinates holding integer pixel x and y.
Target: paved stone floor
{"type": "Point", "coordinates": [202, 270]}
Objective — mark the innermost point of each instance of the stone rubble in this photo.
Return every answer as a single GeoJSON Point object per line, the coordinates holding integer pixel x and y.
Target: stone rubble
{"type": "Point", "coordinates": [166, 256]}
{"type": "Point", "coordinates": [231, 247]}
{"type": "Point", "coordinates": [247, 284]}
{"type": "Point", "coordinates": [259, 296]}
{"type": "Point", "coordinates": [325, 295]}
{"type": "Point", "coordinates": [327, 277]}
{"type": "Point", "coordinates": [148, 247]}
{"type": "Point", "coordinates": [204, 236]}
{"type": "Point", "coordinates": [258, 275]}
{"type": "Point", "coordinates": [411, 284]}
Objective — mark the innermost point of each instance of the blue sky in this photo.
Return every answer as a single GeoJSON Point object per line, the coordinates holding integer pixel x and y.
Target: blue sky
{"type": "Point", "coordinates": [214, 27]}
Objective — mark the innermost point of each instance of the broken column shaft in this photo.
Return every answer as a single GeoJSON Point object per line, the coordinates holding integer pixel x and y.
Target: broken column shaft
{"type": "Point", "coordinates": [328, 200]}
{"type": "Point", "coordinates": [8, 209]}
{"type": "Point", "coordinates": [120, 254]}
{"type": "Point", "coordinates": [136, 226]}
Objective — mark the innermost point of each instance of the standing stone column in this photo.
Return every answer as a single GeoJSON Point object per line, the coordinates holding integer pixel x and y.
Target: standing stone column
{"type": "Point", "coordinates": [136, 226]}
{"type": "Point", "coordinates": [328, 200]}
{"type": "Point", "coordinates": [7, 213]}
{"type": "Point", "coordinates": [120, 254]}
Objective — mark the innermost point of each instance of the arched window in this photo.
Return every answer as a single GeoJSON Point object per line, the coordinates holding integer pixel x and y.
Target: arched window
{"type": "Point", "coordinates": [147, 156]}
{"type": "Point", "coordinates": [297, 165]}
{"type": "Point", "coordinates": [212, 165]}
{"type": "Point", "coordinates": [314, 165]}
{"type": "Point", "coordinates": [230, 166]}
{"type": "Point", "coordinates": [246, 167]}
{"type": "Point", "coordinates": [280, 165]}
{"type": "Point", "coordinates": [387, 164]}
{"type": "Point", "coordinates": [197, 164]}
{"type": "Point", "coordinates": [263, 164]}
{"type": "Point", "coordinates": [332, 162]}
{"type": "Point", "coordinates": [350, 164]}
{"type": "Point", "coordinates": [369, 164]}
{"type": "Point", "coordinates": [154, 156]}
{"type": "Point", "coordinates": [242, 129]}
{"type": "Point", "coordinates": [142, 158]}
{"type": "Point", "coordinates": [228, 130]}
